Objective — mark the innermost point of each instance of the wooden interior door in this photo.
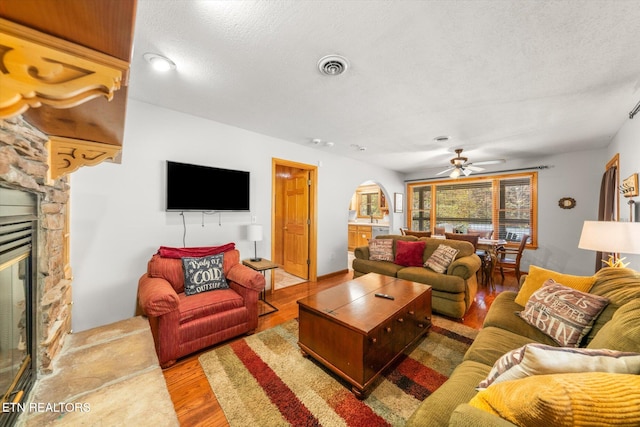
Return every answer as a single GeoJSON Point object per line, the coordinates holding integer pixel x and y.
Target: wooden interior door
{"type": "Point", "coordinates": [296, 224]}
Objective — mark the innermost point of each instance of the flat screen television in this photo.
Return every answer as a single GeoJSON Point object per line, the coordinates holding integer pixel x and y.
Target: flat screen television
{"type": "Point", "coordinates": [204, 188]}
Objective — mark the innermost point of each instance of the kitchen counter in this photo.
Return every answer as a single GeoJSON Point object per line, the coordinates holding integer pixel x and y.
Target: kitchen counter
{"type": "Point", "coordinates": [361, 232]}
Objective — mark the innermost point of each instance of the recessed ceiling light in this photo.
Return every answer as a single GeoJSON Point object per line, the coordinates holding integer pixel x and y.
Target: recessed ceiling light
{"type": "Point", "coordinates": [159, 62]}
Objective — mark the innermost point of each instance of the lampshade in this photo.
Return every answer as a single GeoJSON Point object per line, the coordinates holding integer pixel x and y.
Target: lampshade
{"type": "Point", "coordinates": [611, 236]}
{"type": "Point", "coordinates": [254, 232]}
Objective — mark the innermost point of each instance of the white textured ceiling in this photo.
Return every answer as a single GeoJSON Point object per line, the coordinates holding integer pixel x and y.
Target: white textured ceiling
{"type": "Point", "coordinates": [505, 79]}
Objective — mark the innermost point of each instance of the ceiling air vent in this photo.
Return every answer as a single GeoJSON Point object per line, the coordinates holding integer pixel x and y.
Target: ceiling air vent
{"type": "Point", "coordinates": [333, 65]}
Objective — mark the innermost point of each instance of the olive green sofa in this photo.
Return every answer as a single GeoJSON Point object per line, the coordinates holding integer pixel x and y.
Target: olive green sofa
{"type": "Point", "coordinates": [616, 328]}
{"type": "Point", "coordinates": [452, 291]}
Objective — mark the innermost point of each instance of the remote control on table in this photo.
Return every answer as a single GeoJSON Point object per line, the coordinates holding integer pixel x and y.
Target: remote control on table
{"type": "Point", "coordinates": [384, 296]}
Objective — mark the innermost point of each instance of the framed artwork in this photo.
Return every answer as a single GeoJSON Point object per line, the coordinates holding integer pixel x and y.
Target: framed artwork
{"type": "Point", "coordinates": [629, 187]}
{"type": "Point", "coordinates": [397, 202]}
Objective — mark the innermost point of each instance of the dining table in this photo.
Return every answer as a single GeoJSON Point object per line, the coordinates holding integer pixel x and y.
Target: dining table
{"type": "Point", "coordinates": [490, 247]}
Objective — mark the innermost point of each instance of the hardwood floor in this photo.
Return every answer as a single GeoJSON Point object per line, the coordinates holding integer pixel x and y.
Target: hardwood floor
{"type": "Point", "coordinates": [195, 402]}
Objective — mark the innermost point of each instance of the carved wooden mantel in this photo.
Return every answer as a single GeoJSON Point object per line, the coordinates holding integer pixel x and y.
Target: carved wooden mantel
{"type": "Point", "coordinates": [67, 155]}
{"type": "Point", "coordinates": [37, 69]}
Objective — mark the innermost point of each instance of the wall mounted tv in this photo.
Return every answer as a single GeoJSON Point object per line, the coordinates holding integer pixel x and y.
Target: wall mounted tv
{"type": "Point", "coordinates": [204, 188]}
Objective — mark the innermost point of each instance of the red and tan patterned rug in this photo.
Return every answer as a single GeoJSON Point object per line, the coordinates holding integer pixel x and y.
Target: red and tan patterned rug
{"type": "Point", "coordinates": [263, 380]}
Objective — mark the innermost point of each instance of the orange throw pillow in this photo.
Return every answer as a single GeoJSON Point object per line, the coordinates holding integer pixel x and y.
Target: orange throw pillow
{"type": "Point", "coordinates": [537, 276]}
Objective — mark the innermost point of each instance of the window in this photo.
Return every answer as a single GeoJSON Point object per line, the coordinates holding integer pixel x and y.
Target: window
{"type": "Point", "coordinates": [420, 208]}
{"type": "Point", "coordinates": [503, 205]}
{"type": "Point", "coordinates": [370, 202]}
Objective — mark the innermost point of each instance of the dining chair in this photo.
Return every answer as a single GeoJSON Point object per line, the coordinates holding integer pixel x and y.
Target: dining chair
{"type": "Point", "coordinates": [473, 239]}
{"type": "Point", "coordinates": [509, 258]}
{"type": "Point", "coordinates": [417, 233]}
{"type": "Point", "coordinates": [487, 268]}
{"type": "Point", "coordinates": [484, 234]}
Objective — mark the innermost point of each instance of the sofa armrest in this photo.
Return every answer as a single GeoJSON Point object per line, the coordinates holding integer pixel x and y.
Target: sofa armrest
{"type": "Point", "coordinates": [466, 415]}
{"type": "Point", "coordinates": [465, 267]}
{"type": "Point", "coordinates": [361, 252]}
{"type": "Point", "coordinates": [156, 296]}
{"type": "Point", "coordinates": [246, 277]}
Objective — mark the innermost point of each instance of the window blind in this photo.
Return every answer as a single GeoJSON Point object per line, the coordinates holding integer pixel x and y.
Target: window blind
{"type": "Point", "coordinates": [504, 205]}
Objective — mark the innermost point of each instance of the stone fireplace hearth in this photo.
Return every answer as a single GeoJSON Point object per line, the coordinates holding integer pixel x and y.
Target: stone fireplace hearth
{"type": "Point", "coordinates": [23, 166]}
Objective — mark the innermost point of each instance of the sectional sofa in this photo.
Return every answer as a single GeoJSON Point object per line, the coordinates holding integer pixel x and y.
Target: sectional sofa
{"type": "Point", "coordinates": [546, 383]}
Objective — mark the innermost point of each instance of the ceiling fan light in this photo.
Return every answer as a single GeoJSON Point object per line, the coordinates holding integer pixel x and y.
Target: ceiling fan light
{"type": "Point", "coordinates": [455, 173]}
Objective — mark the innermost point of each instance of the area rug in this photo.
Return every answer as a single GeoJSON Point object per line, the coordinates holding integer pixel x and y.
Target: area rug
{"type": "Point", "coordinates": [263, 380]}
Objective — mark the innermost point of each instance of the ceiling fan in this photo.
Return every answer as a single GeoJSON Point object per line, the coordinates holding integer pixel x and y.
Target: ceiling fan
{"type": "Point", "coordinates": [460, 165]}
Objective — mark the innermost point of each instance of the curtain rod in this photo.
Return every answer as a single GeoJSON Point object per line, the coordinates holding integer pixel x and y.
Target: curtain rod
{"type": "Point", "coordinates": [483, 173]}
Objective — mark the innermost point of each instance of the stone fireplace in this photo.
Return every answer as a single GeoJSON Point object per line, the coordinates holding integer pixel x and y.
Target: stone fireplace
{"type": "Point", "coordinates": [23, 170]}
{"type": "Point", "coordinates": [64, 89]}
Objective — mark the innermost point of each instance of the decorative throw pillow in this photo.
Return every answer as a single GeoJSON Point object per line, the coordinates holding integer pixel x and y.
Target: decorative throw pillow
{"type": "Point", "coordinates": [571, 400]}
{"type": "Point", "coordinates": [409, 254]}
{"type": "Point", "coordinates": [563, 313]}
{"type": "Point", "coordinates": [537, 276]}
{"type": "Point", "coordinates": [541, 359]}
{"type": "Point", "coordinates": [203, 274]}
{"type": "Point", "coordinates": [441, 258]}
{"type": "Point", "coordinates": [381, 250]}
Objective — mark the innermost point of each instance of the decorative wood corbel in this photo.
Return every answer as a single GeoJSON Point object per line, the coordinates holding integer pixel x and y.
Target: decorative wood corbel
{"type": "Point", "coordinates": [67, 155]}
{"type": "Point", "coordinates": [37, 69]}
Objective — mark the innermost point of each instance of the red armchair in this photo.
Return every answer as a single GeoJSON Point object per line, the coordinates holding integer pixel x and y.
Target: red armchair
{"type": "Point", "coordinates": [184, 324]}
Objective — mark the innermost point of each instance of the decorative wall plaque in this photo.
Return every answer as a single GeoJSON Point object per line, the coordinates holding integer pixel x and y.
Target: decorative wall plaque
{"type": "Point", "coordinates": [567, 203]}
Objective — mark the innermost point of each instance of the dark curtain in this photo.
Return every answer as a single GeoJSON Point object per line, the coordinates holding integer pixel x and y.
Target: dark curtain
{"type": "Point", "coordinates": [607, 206]}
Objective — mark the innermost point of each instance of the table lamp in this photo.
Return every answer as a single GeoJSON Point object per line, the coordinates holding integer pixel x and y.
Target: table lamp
{"type": "Point", "coordinates": [254, 232]}
{"type": "Point", "coordinates": [613, 237]}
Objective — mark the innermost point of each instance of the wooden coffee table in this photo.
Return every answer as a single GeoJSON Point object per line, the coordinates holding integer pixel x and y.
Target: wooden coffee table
{"type": "Point", "coordinates": [358, 335]}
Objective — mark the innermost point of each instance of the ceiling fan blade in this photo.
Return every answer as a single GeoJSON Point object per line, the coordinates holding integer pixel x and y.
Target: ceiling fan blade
{"type": "Point", "coordinates": [473, 168]}
{"type": "Point", "coordinates": [467, 171]}
{"type": "Point", "coordinates": [489, 162]}
{"type": "Point", "coordinates": [445, 171]}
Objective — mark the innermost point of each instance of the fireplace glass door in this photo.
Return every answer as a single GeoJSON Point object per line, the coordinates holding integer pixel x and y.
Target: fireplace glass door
{"type": "Point", "coordinates": [14, 356]}
{"type": "Point", "coordinates": [18, 226]}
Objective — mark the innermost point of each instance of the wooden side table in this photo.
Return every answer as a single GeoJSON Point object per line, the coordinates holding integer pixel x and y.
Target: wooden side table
{"type": "Point", "coordinates": [262, 266]}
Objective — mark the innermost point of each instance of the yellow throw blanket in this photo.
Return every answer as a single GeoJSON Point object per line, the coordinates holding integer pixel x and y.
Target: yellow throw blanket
{"type": "Point", "coordinates": [576, 399]}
